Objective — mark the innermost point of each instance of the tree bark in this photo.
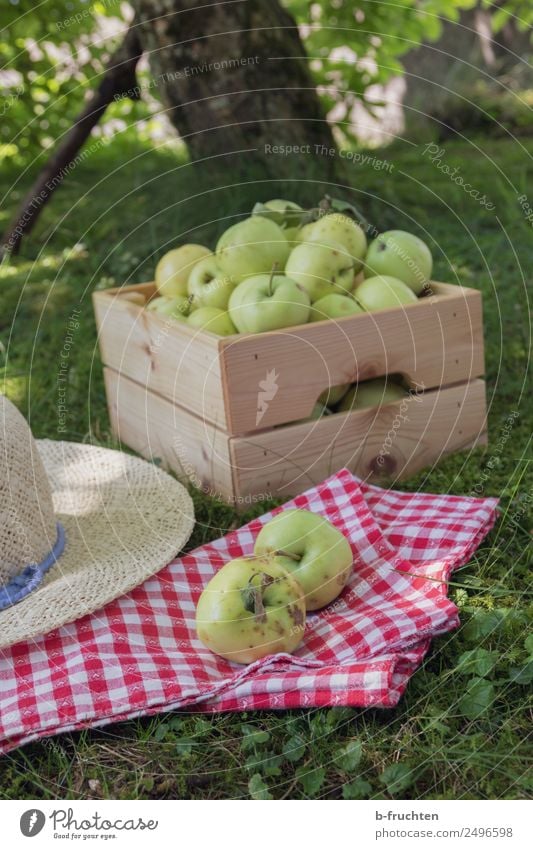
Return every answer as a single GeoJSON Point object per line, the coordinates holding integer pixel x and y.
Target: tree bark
{"type": "Point", "coordinates": [119, 79]}
{"type": "Point", "coordinates": [234, 76]}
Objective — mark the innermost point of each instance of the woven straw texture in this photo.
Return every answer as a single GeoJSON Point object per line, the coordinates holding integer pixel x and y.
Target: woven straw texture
{"type": "Point", "coordinates": [27, 522]}
{"type": "Point", "coordinates": [124, 520]}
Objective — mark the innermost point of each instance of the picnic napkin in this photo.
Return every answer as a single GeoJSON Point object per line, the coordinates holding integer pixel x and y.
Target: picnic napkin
{"type": "Point", "coordinates": [140, 654]}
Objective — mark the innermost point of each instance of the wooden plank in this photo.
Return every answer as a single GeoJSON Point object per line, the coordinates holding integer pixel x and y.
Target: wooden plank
{"type": "Point", "coordinates": [168, 357]}
{"type": "Point", "coordinates": [196, 451]}
{"type": "Point", "coordinates": [378, 445]}
{"type": "Point", "coordinates": [437, 341]}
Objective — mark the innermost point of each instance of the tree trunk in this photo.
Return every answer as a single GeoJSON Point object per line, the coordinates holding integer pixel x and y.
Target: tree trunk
{"type": "Point", "coordinates": [235, 78]}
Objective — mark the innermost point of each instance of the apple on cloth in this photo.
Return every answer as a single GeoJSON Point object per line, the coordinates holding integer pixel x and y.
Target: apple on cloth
{"type": "Point", "coordinates": [140, 655]}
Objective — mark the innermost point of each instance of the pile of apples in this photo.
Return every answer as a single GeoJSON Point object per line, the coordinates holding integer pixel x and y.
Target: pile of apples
{"type": "Point", "coordinates": [285, 266]}
{"type": "Point", "coordinates": [256, 605]}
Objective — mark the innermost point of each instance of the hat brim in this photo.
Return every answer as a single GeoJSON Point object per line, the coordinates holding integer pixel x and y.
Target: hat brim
{"type": "Point", "coordinates": [124, 520]}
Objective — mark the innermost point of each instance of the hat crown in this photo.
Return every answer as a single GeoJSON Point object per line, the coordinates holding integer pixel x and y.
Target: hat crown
{"type": "Point", "coordinates": [28, 527]}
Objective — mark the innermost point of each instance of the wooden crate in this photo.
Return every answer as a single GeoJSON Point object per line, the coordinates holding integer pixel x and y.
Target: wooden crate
{"type": "Point", "coordinates": [436, 342]}
{"type": "Point", "coordinates": [379, 445]}
{"type": "Point", "coordinates": [191, 399]}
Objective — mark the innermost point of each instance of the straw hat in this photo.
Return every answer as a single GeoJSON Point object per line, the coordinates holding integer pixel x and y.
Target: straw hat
{"type": "Point", "coordinates": [79, 526]}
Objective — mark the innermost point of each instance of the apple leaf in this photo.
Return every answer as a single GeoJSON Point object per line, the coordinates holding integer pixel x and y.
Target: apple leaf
{"type": "Point", "coordinates": [358, 789]}
{"type": "Point", "coordinates": [528, 645]}
{"type": "Point", "coordinates": [347, 209]}
{"type": "Point", "coordinates": [477, 662]}
{"type": "Point", "coordinates": [258, 789]}
{"type": "Point", "coordinates": [348, 756]}
{"type": "Point", "coordinates": [397, 777]}
{"type": "Point", "coordinates": [477, 699]}
{"type": "Point", "coordinates": [311, 779]}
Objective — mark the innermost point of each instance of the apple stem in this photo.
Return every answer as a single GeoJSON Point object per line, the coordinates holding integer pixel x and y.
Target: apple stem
{"type": "Point", "coordinates": [259, 607]}
{"type": "Point", "coordinates": [254, 596]}
{"type": "Point", "coordinates": [272, 275]}
{"type": "Point", "coordinates": [295, 557]}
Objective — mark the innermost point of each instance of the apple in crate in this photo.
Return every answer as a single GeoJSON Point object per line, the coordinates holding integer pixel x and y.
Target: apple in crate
{"type": "Point", "coordinates": [208, 286]}
{"type": "Point", "coordinates": [342, 229]}
{"type": "Point", "coordinates": [213, 320]}
{"type": "Point", "coordinates": [268, 302]}
{"type": "Point", "coordinates": [383, 293]}
{"type": "Point", "coordinates": [371, 393]}
{"type": "Point", "coordinates": [251, 247]}
{"type": "Point", "coordinates": [333, 394]}
{"type": "Point", "coordinates": [285, 213]}
{"type": "Point", "coordinates": [321, 268]}
{"type": "Point", "coordinates": [317, 554]}
{"type": "Point", "coordinates": [401, 255]}
{"type": "Point", "coordinates": [173, 269]}
{"type": "Point", "coordinates": [178, 308]}
{"type": "Point", "coordinates": [251, 608]}
{"type": "Point", "coordinates": [334, 306]}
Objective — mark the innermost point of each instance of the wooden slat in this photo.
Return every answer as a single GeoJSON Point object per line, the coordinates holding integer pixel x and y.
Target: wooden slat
{"type": "Point", "coordinates": [172, 359]}
{"type": "Point", "coordinates": [157, 429]}
{"type": "Point", "coordinates": [286, 460]}
{"type": "Point", "coordinates": [437, 341]}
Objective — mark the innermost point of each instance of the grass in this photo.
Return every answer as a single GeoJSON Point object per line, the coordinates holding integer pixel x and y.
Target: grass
{"type": "Point", "coordinates": [461, 731]}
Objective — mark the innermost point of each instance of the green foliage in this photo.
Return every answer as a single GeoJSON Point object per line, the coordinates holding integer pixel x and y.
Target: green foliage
{"type": "Point", "coordinates": [397, 778]}
{"type": "Point", "coordinates": [477, 699]}
{"type": "Point", "coordinates": [51, 53]}
{"type": "Point", "coordinates": [348, 756]}
{"type": "Point", "coordinates": [355, 45]}
{"type": "Point", "coordinates": [54, 53]}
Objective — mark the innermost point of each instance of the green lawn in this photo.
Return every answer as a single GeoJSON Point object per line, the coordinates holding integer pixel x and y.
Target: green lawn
{"type": "Point", "coordinates": [116, 212]}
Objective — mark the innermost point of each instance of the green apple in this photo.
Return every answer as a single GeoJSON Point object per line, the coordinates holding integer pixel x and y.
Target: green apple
{"type": "Point", "coordinates": [322, 268]}
{"type": "Point", "coordinates": [383, 293]}
{"type": "Point", "coordinates": [251, 608]}
{"type": "Point", "coordinates": [340, 228]}
{"type": "Point", "coordinates": [371, 393]}
{"type": "Point", "coordinates": [178, 308]}
{"type": "Point", "coordinates": [213, 320]}
{"type": "Point", "coordinates": [317, 554]}
{"type": "Point", "coordinates": [303, 234]}
{"type": "Point", "coordinates": [173, 269]}
{"type": "Point", "coordinates": [285, 213]}
{"type": "Point", "coordinates": [251, 247]}
{"type": "Point", "coordinates": [318, 411]}
{"type": "Point", "coordinates": [268, 302]}
{"type": "Point", "coordinates": [334, 394]}
{"type": "Point", "coordinates": [401, 255]}
{"type": "Point", "coordinates": [334, 306]}
{"type": "Point", "coordinates": [207, 287]}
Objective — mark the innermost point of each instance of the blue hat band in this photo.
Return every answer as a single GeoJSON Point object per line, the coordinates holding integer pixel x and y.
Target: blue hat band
{"type": "Point", "coordinates": [31, 576]}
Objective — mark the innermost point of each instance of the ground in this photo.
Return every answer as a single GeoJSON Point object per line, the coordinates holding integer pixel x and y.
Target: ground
{"type": "Point", "coordinates": [461, 729]}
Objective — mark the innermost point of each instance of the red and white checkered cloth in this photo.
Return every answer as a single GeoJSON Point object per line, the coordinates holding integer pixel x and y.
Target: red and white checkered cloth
{"type": "Point", "coordinates": [140, 655]}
